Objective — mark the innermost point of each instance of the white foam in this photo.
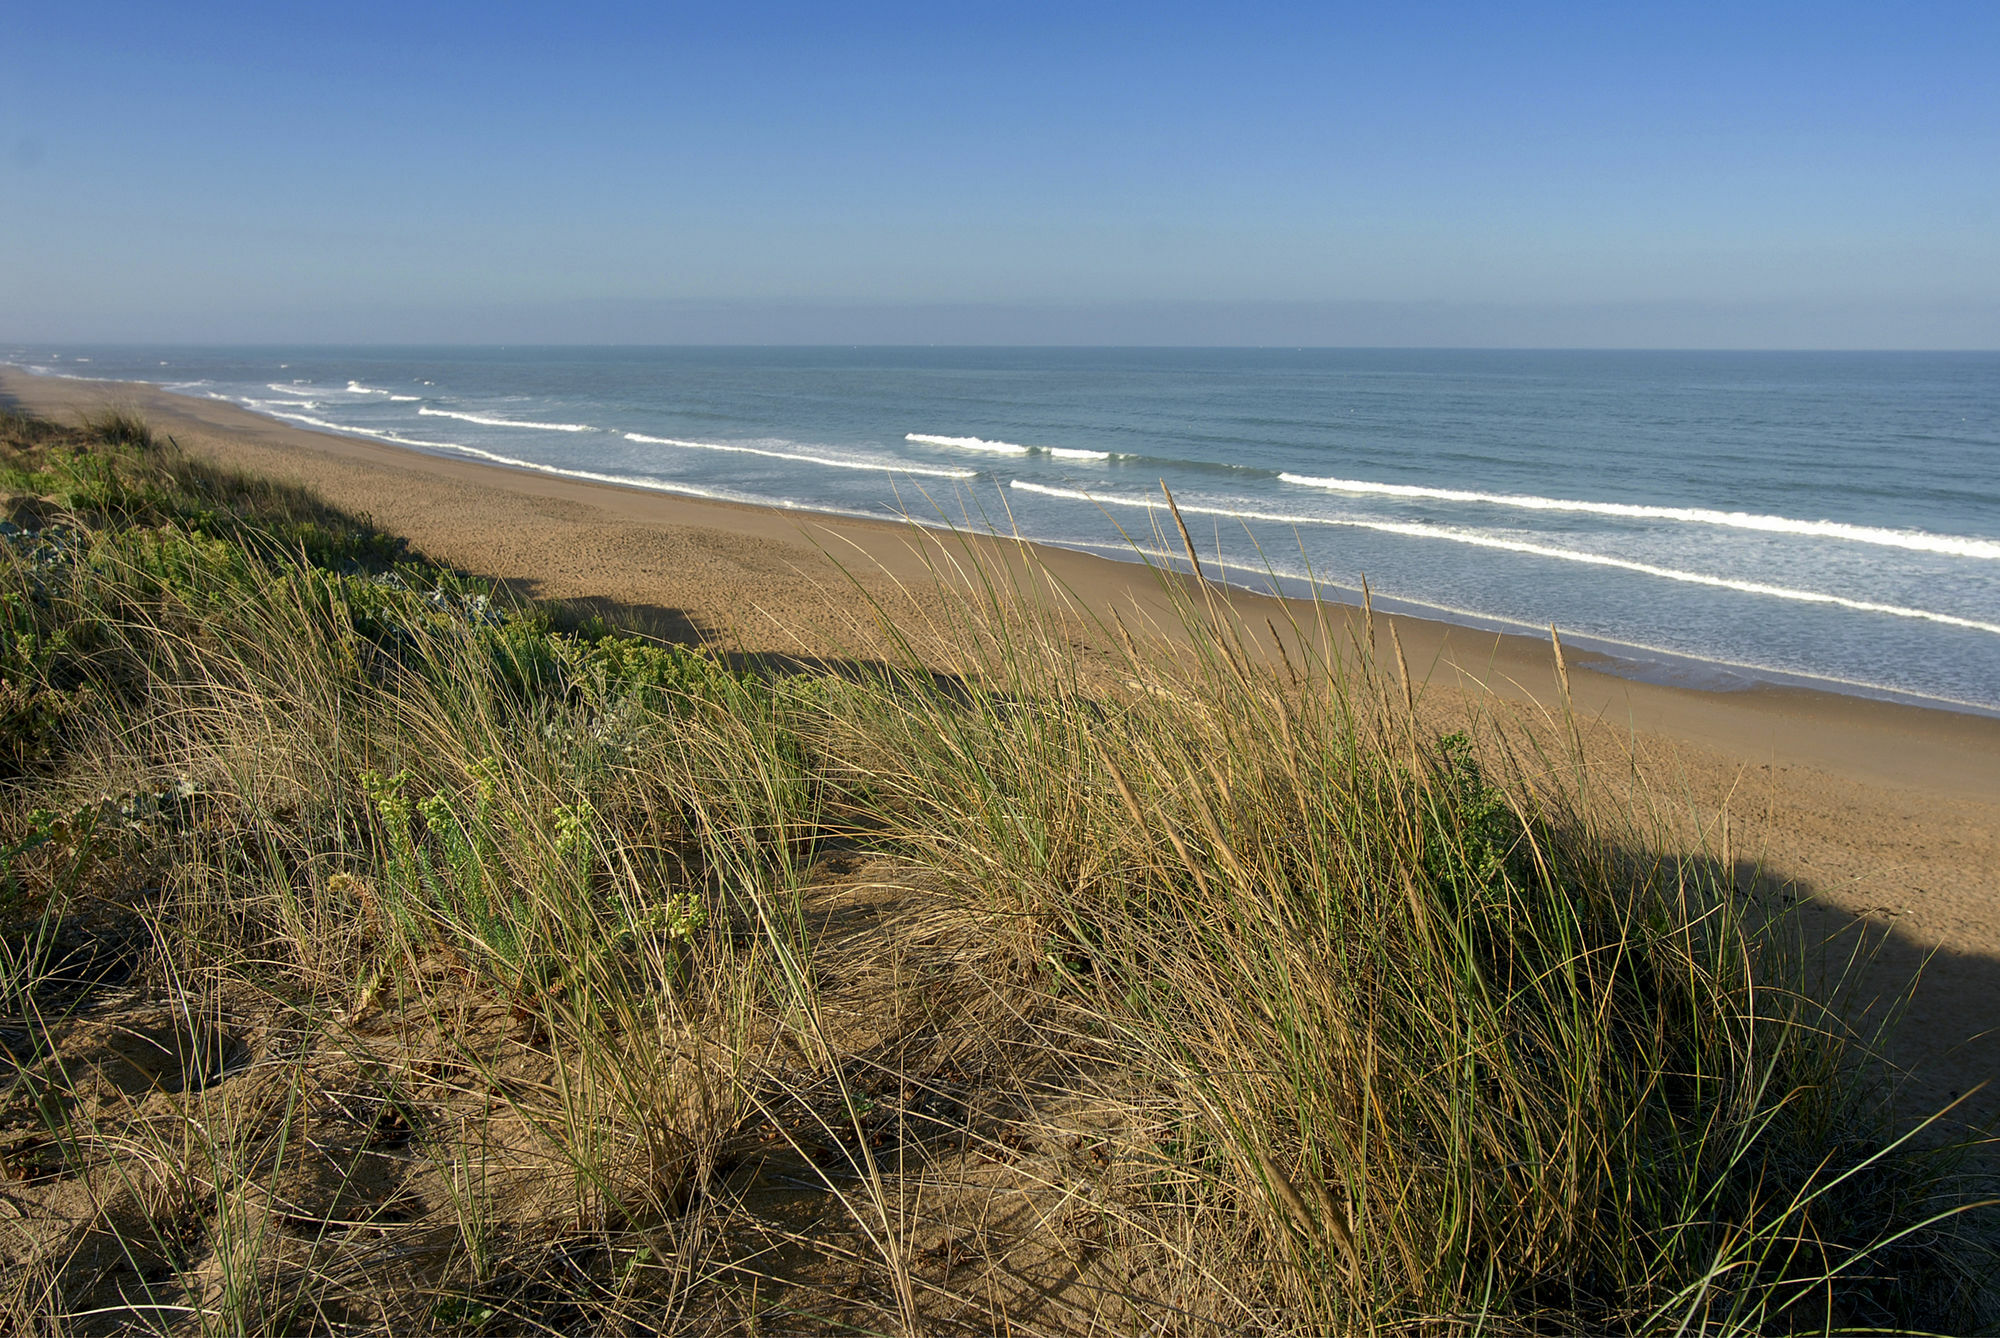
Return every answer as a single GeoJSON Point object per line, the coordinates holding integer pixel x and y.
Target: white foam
{"type": "Point", "coordinates": [622, 480]}
{"type": "Point", "coordinates": [429, 412]}
{"type": "Point", "coordinates": [397, 439]}
{"type": "Point", "coordinates": [1006, 447]}
{"type": "Point", "coordinates": [1588, 641]}
{"type": "Point", "coordinates": [619, 480]}
{"type": "Point", "coordinates": [834, 462]}
{"type": "Point", "coordinates": [404, 399]}
{"type": "Point", "coordinates": [1415, 531]}
{"type": "Point", "coordinates": [286, 411]}
{"type": "Point", "coordinates": [60, 376]}
{"type": "Point", "coordinates": [294, 388]}
{"type": "Point", "coordinates": [355, 387]}
{"type": "Point", "coordinates": [967, 443]}
{"type": "Point", "coordinates": [1918, 540]}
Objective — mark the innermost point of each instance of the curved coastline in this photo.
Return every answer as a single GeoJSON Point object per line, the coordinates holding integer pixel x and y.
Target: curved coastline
{"type": "Point", "coordinates": [1633, 660]}
{"type": "Point", "coordinates": [1513, 660]}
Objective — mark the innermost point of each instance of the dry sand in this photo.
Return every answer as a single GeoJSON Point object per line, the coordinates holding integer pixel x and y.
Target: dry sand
{"type": "Point", "coordinates": [1884, 815]}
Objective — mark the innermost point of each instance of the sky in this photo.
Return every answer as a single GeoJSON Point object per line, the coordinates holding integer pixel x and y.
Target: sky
{"type": "Point", "coordinates": [1742, 175]}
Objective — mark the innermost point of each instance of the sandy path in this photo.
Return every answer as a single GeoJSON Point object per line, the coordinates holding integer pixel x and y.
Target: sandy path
{"type": "Point", "coordinates": [1885, 811]}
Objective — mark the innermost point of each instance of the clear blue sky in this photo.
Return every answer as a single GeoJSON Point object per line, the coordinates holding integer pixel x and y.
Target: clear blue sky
{"type": "Point", "coordinates": [1743, 174]}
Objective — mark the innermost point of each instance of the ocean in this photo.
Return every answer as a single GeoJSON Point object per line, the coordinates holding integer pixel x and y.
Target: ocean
{"type": "Point", "coordinates": [1715, 519]}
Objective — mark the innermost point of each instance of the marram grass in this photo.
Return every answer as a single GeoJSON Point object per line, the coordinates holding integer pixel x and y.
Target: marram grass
{"type": "Point", "coordinates": [381, 954]}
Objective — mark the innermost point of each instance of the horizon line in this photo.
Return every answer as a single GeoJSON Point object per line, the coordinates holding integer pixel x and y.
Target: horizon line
{"type": "Point", "coordinates": [977, 344]}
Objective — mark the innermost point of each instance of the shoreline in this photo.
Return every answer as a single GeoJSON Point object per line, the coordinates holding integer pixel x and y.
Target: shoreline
{"type": "Point", "coordinates": [1609, 657]}
{"type": "Point", "coordinates": [1629, 660]}
{"type": "Point", "coordinates": [1635, 661]}
{"type": "Point", "coordinates": [1878, 814]}
{"type": "Point", "coordinates": [1480, 651]}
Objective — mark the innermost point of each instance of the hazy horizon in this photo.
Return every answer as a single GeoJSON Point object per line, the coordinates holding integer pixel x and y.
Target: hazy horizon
{"type": "Point", "coordinates": [1605, 327]}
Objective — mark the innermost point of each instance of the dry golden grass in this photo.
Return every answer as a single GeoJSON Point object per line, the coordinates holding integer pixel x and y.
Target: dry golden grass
{"type": "Point", "coordinates": [380, 957]}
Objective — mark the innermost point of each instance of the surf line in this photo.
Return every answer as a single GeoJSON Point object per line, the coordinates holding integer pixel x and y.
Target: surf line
{"type": "Point", "coordinates": [878, 466]}
{"type": "Point", "coordinates": [1950, 544]}
{"type": "Point", "coordinates": [1414, 531]}
{"type": "Point", "coordinates": [428, 412]}
{"type": "Point", "coordinates": [621, 480]}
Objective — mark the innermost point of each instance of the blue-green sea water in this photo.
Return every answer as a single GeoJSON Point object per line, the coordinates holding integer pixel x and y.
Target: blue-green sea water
{"type": "Point", "coordinates": [1721, 518]}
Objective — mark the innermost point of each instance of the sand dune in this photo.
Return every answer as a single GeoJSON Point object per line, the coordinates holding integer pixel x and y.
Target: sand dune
{"type": "Point", "coordinates": [1884, 814]}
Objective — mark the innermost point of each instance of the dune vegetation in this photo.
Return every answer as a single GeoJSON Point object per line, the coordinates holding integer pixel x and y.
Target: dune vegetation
{"type": "Point", "coordinates": [383, 953]}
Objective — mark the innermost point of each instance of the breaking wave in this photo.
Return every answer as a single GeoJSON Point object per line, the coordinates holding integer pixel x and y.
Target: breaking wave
{"type": "Point", "coordinates": [487, 421]}
{"type": "Point", "coordinates": [1005, 447]}
{"type": "Point", "coordinates": [831, 461]}
{"type": "Point", "coordinates": [1413, 530]}
{"type": "Point", "coordinates": [1950, 544]}
{"type": "Point", "coordinates": [621, 480]}
{"type": "Point", "coordinates": [966, 443]}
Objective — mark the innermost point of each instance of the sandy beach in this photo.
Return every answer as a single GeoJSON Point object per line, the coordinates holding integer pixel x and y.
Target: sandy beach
{"type": "Point", "coordinates": [1881, 812]}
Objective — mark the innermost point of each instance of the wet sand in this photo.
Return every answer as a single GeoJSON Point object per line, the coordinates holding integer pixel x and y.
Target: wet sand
{"type": "Point", "coordinates": [1882, 814]}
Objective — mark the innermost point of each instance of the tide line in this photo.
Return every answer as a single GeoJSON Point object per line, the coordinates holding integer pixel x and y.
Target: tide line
{"type": "Point", "coordinates": [1416, 531]}
{"type": "Point", "coordinates": [621, 480]}
{"type": "Point", "coordinates": [1587, 640]}
{"type": "Point", "coordinates": [285, 411]}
